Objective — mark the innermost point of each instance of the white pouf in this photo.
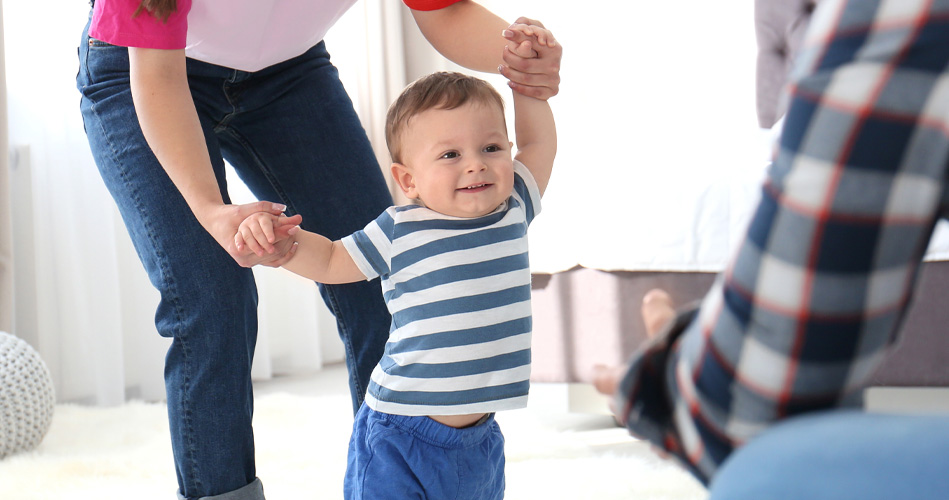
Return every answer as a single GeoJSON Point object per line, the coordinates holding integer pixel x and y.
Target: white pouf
{"type": "Point", "coordinates": [26, 396]}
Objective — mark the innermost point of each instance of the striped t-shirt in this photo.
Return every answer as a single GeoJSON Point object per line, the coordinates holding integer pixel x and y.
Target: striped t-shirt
{"type": "Point", "coordinates": [459, 293]}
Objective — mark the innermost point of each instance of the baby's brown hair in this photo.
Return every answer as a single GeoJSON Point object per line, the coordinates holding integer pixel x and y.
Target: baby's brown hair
{"type": "Point", "coordinates": [442, 90]}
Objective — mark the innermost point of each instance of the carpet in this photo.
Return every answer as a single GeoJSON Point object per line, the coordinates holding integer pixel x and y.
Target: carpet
{"type": "Point", "coordinates": [124, 453]}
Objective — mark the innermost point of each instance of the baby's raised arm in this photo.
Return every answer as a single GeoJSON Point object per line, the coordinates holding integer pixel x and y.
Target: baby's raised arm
{"type": "Point", "coordinates": [534, 128]}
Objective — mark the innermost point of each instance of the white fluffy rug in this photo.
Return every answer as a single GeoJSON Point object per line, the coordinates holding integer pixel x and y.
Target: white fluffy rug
{"type": "Point", "coordinates": [124, 452]}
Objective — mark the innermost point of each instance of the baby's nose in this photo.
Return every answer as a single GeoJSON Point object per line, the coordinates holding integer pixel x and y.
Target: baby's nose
{"type": "Point", "coordinates": [477, 165]}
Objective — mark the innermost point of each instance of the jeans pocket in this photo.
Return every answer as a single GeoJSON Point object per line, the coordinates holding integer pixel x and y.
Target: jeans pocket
{"type": "Point", "coordinates": [104, 69]}
{"type": "Point", "coordinates": [96, 43]}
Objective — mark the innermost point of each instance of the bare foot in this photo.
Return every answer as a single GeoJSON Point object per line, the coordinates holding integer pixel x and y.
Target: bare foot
{"type": "Point", "coordinates": [657, 310]}
{"type": "Point", "coordinates": [606, 378]}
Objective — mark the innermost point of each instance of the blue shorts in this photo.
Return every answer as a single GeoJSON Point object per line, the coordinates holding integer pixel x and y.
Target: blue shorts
{"type": "Point", "coordinates": [399, 457]}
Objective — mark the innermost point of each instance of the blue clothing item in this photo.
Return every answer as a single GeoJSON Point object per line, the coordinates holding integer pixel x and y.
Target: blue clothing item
{"type": "Point", "coordinates": [292, 135]}
{"type": "Point", "coordinates": [814, 297]}
{"type": "Point", "coordinates": [840, 455]}
{"type": "Point", "coordinates": [400, 457]}
{"type": "Point", "coordinates": [459, 292]}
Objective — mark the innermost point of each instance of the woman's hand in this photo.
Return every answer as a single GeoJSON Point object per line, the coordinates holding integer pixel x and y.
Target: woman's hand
{"type": "Point", "coordinates": [536, 74]}
{"type": "Point", "coordinates": [223, 221]}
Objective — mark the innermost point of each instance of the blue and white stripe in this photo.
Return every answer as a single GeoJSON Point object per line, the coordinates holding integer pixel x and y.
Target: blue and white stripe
{"type": "Point", "coordinates": [458, 290]}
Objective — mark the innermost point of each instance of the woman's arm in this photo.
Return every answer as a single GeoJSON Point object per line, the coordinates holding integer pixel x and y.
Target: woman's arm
{"type": "Point", "coordinates": [170, 124]}
{"type": "Point", "coordinates": [169, 121]}
{"type": "Point", "coordinates": [468, 34]}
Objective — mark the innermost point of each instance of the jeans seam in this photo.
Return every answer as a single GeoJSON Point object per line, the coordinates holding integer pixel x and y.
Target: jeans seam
{"type": "Point", "coordinates": [166, 278]}
{"type": "Point", "coordinates": [332, 302]}
{"type": "Point", "coordinates": [223, 128]}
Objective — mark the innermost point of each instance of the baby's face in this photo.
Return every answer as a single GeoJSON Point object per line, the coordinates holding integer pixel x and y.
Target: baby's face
{"type": "Point", "coordinates": [459, 159]}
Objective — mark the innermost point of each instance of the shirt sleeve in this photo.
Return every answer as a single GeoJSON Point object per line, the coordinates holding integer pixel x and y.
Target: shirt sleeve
{"type": "Point", "coordinates": [429, 4]}
{"type": "Point", "coordinates": [115, 22]}
{"type": "Point", "coordinates": [525, 187]}
{"type": "Point", "coordinates": [371, 247]}
{"type": "Point", "coordinates": [644, 398]}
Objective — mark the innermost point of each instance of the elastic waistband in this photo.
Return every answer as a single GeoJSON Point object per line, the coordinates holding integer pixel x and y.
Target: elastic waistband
{"type": "Point", "coordinates": [435, 433]}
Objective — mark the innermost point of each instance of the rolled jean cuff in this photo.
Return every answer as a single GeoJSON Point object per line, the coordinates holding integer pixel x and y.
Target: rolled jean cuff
{"type": "Point", "coordinates": [253, 491]}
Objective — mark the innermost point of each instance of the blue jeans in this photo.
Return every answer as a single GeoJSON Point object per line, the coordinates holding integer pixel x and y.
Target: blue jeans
{"type": "Point", "coordinates": [840, 455]}
{"type": "Point", "coordinates": [292, 135]}
{"type": "Point", "coordinates": [397, 457]}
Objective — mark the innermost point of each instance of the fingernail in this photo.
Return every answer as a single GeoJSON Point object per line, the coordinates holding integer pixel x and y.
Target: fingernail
{"type": "Point", "coordinates": [279, 206]}
{"type": "Point", "coordinates": [507, 33]}
{"type": "Point", "coordinates": [500, 69]}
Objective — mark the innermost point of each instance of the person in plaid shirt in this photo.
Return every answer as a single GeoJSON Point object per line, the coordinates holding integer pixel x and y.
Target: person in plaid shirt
{"type": "Point", "coordinates": [814, 296]}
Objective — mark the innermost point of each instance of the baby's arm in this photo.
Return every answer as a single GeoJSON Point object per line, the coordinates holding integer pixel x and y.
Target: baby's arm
{"type": "Point", "coordinates": [534, 127]}
{"type": "Point", "coordinates": [316, 257]}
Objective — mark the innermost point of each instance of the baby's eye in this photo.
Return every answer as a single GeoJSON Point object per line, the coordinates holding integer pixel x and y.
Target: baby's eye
{"type": "Point", "coordinates": [450, 155]}
{"type": "Point", "coordinates": [494, 148]}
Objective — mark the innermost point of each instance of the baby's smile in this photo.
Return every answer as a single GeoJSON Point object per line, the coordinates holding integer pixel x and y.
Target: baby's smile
{"type": "Point", "coordinates": [474, 188]}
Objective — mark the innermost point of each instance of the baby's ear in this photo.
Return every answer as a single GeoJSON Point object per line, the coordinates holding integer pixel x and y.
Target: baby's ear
{"type": "Point", "coordinates": [406, 181]}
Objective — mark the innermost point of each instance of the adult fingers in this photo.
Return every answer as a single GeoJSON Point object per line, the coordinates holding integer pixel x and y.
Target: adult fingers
{"type": "Point", "coordinates": [529, 22]}
{"type": "Point", "coordinates": [544, 69]}
{"type": "Point", "coordinates": [532, 85]}
{"type": "Point", "coordinates": [516, 40]}
{"type": "Point", "coordinates": [260, 206]}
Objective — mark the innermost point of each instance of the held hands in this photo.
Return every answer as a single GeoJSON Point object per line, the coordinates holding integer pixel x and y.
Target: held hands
{"type": "Point", "coordinates": [260, 232]}
{"type": "Point", "coordinates": [531, 59]}
{"type": "Point", "coordinates": [222, 222]}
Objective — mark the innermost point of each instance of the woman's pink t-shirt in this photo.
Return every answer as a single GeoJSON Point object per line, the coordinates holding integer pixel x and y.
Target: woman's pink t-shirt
{"type": "Point", "coordinates": [247, 35]}
{"type": "Point", "coordinates": [113, 22]}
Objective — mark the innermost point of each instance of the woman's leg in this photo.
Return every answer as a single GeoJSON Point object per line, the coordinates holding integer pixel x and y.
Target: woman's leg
{"type": "Point", "coordinates": [208, 302]}
{"type": "Point", "coordinates": [293, 136]}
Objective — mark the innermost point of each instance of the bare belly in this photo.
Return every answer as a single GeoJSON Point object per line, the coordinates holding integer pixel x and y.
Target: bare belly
{"type": "Point", "coordinates": [458, 421]}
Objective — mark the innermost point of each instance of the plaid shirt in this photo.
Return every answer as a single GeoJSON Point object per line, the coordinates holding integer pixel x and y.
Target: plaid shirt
{"type": "Point", "coordinates": [815, 294]}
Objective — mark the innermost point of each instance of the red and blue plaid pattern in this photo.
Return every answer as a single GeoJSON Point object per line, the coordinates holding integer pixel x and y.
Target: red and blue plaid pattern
{"type": "Point", "coordinates": [817, 289]}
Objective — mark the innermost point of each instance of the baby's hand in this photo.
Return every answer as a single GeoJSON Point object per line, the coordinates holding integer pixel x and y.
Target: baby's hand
{"type": "Point", "coordinates": [523, 38]}
{"type": "Point", "coordinates": [257, 231]}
